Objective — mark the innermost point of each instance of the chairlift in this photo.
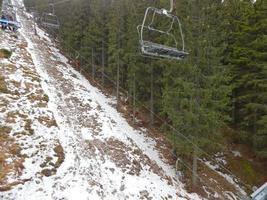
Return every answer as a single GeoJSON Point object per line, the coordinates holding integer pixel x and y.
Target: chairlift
{"type": "Point", "coordinates": [50, 20]}
{"type": "Point", "coordinates": [260, 193]}
{"type": "Point", "coordinates": [35, 15]}
{"type": "Point", "coordinates": [8, 20]}
{"type": "Point", "coordinates": [156, 49]}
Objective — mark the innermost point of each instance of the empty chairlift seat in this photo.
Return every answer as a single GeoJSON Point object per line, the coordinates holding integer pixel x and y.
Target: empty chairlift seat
{"type": "Point", "coordinates": [154, 49]}
{"type": "Point", "coordinates": [151, 48]}
{"type": "Point", "coordinates": [50, 21]}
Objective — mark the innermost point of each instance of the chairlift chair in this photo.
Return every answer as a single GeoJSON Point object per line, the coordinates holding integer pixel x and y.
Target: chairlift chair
{"type": "Point", "coordinates": [50, 20]}
{"type": "Point", "coordinates": [8, 19]}
{"type": "Point", "coordinates": [157, 50]}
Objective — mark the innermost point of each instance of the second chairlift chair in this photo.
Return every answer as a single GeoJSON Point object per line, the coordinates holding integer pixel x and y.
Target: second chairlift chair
{"type": "Point", "coordinates": [50, 20]}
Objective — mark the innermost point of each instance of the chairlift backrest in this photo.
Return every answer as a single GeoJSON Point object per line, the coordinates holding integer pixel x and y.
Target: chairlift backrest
{"type": "Point", "coordinates": [161, 50]}
{"type": "Point", "coordinates": [50, 20]}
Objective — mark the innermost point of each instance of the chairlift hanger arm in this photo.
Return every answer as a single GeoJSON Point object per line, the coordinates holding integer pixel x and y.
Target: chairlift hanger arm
{"type": "Point", "coordinates": [161, 50]}
{"type": "Point", "coordinates": [171, 5]}
{"type": "Point", "coordinates": [140, 28]}
{"type": "Point", "coordinates": [51, 5]}
{"type": "Point", "coordinates": [165, 11]}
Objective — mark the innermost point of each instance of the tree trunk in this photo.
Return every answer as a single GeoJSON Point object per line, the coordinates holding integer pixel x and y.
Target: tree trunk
{"type": "Point", "coordinates": [93, 66]}
{"type": "Point", "coordinates": [134, 100]}
{"type": "Point", "coordinates": [234, 108]}
{"type": "Point", "coordinates": [103, 64]}
{"type": "Point", "coordinates": [152, 97]}
{"type": "Point", "coordinates": [118, 83]}
{"type": "Point", "coordinates": [194, 177]}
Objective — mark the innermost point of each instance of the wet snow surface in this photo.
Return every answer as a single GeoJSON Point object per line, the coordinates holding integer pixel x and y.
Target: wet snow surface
{"type": "Point", "coordinates": [104, 157]}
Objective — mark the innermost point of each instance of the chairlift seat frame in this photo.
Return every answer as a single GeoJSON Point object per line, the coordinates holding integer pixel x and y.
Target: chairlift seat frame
{"type": "Point", "coordinates": [10, 20]}
{"type": "Point", "coordinates": [50, 23]}
{"type": "Point", "coordinates": [152, 49]}
{"type": "Point", "coordinates": [49, 19]}
{"type": "Point", "coordinates": [9, 23]}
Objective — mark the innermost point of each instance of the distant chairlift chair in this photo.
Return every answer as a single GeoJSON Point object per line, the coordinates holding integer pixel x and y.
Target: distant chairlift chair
{"type": "Point", "coordinates": [152, 49]}
{"type": "Point", "coordinates": [50, 20]}
{"type": "Point", "coordinates": [8, 19]}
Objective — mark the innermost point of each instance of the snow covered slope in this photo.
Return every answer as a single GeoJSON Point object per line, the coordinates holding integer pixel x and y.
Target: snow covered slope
{"type": "Point", "coordinates": [103, 156]}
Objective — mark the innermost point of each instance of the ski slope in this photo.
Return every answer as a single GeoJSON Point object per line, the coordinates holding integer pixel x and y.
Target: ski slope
{"type": "Point", "coordinates": [104, 157]}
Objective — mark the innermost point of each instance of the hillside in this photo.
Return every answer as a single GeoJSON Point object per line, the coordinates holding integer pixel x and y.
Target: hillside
{"type": "Point", "coordinates": [64, 138]}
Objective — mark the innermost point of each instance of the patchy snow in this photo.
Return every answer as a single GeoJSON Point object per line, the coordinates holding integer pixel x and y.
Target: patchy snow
{"type": "Point", "coordinates": [104, 157]}
{"type": "Point", "coordinates": [24, 110]}
{"type": "Point", "coordinates": [220, 158]}
{"type": "Point", "coordinates": [229, 178]}
{"type": "Point", "coordinates": [237, 154]}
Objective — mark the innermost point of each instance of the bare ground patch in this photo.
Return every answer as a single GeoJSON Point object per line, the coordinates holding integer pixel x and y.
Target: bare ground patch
{"type": "Point", "coordinates": [24, 110]}
{"type": "Point", "coordinates": [4, 53]}
{"type": "Point", "coordinates": [128, 158]}
{"type": "Point", "coordinates": [3, 85]}
{"type": "Point", "coordinates": [11, 159]}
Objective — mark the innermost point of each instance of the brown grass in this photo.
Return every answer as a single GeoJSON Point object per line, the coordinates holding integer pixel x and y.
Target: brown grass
{"type": "Point", "coordinates": [16, 83]}
{"type": "Point", "coordinates": [10, 68]}
{"type": "Point", "coordinates": [9, 186]}
{"type": "Point", "coordinates": [20, 134]}
{"type": "Point", "coordinates": [39, 98]}
{"type": "Point", "coordinates": [15, 149]}
{"type": "Point", "coordinates": [4, 53]}
{"type": "Point", "coordinates": [3, 86]}
{"type": "Point", "coordinates": [34, 98]}
{"type": "Point", "coordinates": [28, 126]}
{"type": "Point", "coordinates": [48, 172]}
{"type": "Point", "coordinates": [45, 98]}
{"type": "Point", "coordinates": [4, 133]}
{"type": "Point", "coordinates": [46, 162]}
{"type": "Point", "coordinates": [60, 155]}
{"type": "Point", "coordinates": [247, 167]}
{"type": "Point", "coordinates": [9, 149]}
{"type": "Point", "coordinates": [47, 121]}
{"type": "Point", "coordinates": [11, 117]}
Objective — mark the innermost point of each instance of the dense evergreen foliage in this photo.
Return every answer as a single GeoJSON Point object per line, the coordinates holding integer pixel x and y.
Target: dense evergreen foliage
{"type": "Point", "coordinates": [246, 56]}
{"type": "Point", "coordinates": [222, 82]}
{"type": "Point", "coordinates": [1, 1]}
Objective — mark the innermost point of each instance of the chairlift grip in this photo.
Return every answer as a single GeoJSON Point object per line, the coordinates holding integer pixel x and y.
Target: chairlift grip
{"type": "Point", "coordinates": [165, 11]}
{"type": "Point", "coordinates": [171, 6]}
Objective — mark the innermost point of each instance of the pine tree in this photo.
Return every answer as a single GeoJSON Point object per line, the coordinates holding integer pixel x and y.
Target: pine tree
{"type": "Point", "coordinates": [196, 92]}
{"type": "Point", "coordinates": [246, 56]}
{"type": "Point", "coordinates": [257, 80]}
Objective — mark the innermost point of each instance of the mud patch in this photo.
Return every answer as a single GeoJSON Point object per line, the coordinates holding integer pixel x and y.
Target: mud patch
{"type": "Point", "coordinates": [130, 159]}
